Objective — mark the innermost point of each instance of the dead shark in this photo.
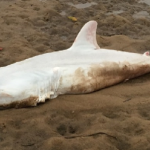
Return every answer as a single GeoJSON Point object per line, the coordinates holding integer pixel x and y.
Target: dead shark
{"type": "Point", "coordinates": [82, 68]}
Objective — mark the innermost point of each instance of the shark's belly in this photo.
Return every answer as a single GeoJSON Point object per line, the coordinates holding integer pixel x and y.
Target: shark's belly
{"type": "Point", "coordinates": [93, 77]}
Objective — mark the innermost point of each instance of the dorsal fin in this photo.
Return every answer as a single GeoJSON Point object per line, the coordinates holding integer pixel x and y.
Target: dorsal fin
{"type": "Point", "coordinates": [87, 36]}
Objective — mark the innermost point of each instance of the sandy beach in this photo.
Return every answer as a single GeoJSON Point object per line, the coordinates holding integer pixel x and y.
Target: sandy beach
{"type": "Point", "coordinates": [115, 118]}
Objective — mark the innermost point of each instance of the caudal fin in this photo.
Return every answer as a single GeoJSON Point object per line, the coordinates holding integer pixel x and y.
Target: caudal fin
{"type": "Point", "coordinates": [87, 36]}
{"type": "Point", "coordinates": [146, 53]}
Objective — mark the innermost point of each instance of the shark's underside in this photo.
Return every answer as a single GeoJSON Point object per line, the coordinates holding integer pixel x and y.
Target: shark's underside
{"type": "Point", "coordinates": [83, 68]}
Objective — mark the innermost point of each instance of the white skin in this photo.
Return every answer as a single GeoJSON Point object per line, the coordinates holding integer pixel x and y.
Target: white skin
{"type": "Point", "coordinates": [51, 74]}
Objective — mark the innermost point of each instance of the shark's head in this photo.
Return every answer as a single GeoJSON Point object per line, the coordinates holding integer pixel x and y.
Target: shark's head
{"type": "Point", "coordinates": [86, 38]}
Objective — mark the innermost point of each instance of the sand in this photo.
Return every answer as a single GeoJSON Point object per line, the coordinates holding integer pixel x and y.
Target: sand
{"type": "Point", "coordinates": [115, 118]}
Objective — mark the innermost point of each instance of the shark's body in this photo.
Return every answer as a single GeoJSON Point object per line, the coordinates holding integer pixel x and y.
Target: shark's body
{"type": "Point", "coordinates": [83, 68]}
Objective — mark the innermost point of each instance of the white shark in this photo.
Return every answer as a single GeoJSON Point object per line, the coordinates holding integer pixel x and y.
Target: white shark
{"type": "Point", "coordinates": [83, 68]}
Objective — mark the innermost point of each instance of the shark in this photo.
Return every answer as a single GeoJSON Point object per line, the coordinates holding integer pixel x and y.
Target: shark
{"type": "Point", "coordinates": [82, 68]}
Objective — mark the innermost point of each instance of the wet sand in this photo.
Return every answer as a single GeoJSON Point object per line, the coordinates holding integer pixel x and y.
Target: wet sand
{"type": "Point", "coordinates": [115, 118]}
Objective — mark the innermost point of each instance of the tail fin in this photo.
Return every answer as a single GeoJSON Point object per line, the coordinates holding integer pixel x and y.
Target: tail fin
{"type": "Point", "coordinates": [87, 36]}
{"type": "Point", "coordinates": [146, 53]}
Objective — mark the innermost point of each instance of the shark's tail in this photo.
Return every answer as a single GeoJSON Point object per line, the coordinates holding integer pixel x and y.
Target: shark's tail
{"type": "Point", "coordinates": [147, 53]}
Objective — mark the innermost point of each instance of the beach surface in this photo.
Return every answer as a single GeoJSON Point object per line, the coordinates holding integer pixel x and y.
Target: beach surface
{"type": "Point", "coordinates": [115, 118]}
